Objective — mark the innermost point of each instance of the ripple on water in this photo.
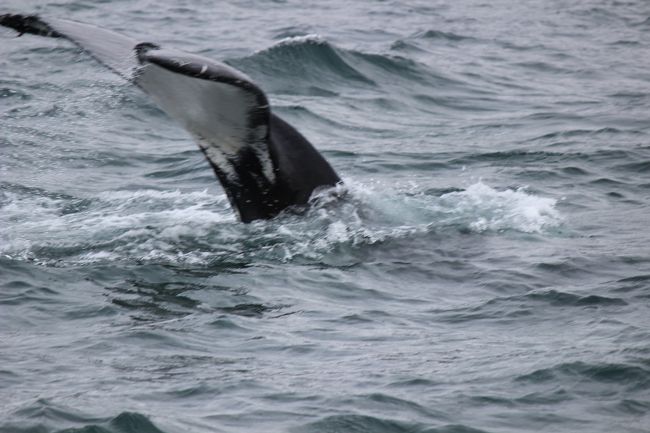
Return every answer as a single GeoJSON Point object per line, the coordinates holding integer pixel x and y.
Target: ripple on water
{"type": "Point", "coordinates": [617, 377]}
{"type": "Point", "coordinates": [362, 423]}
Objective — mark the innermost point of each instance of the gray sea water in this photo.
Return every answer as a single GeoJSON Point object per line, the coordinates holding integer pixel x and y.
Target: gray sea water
{"type": "Point", "coordinates": [489, 270]}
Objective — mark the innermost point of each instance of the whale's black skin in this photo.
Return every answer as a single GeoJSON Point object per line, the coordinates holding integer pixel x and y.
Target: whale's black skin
{"type": "Point", "coordinates": [264, 164]}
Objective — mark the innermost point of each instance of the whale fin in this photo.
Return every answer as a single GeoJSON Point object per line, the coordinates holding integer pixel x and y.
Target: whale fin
{"type": "Point", "coordinates": [110, 48]}
{"type": "Point", "coordinates": [222, 108]}
{"type": "Point", "coordinates": [262, 162]}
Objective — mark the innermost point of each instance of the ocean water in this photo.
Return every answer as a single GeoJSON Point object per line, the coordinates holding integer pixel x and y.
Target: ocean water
{"type": "Point", "coordinates": [487, 271]}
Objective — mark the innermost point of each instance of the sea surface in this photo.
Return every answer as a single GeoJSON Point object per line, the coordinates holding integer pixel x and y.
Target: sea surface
{"type": "Point", "coordinates": [488, 269]}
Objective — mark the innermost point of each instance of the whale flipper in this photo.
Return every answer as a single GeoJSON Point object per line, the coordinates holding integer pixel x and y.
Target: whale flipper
{"type": "Point", "coordinates": [263, 163]}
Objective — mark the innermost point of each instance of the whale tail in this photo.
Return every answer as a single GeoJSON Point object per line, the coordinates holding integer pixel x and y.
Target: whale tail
{"type": "Point", "coordinates": [263, 163]}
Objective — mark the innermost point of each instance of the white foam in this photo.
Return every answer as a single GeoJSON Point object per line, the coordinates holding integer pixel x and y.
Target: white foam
{"type": "Point", "coordinates": [486, 209]}
{"type": "Point", "coordinates": [199, 227]}
{"type": "Point", "coordinates": [373, 214]}
{"type": "Point", "coordinates": [311, 38]}
{"type": "Point", "coordinates": [296, 40]}
{"type": "Point", "coordinates": [143, 224]}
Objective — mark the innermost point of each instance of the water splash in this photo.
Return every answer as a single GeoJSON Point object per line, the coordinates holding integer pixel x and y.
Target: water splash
{"type": "Point", "coordinates": [486, 209]}
{"type": "Point", "coordinates": [199, 227]}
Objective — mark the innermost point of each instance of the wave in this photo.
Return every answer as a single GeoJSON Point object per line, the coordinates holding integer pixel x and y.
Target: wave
{"type": "Point", "coordinates": [513, 308]}
{"type": "Point", "coordinates": [641, 167]}
{"type": "Point", "coordinates": [298, 61]}
{"type": "Point", "coordinates": [565, 299]}
{"type": "Point", "coordinates": [438, 34]}
{"type": "Point", "coordinates": [418, 41]}
{"type": "Point", "coordinates": [626, 376]}
{"type": "Point", "coordinates": [308, 64]}
{"type": "Point", "coordinates": [571, 133]}
{"type": "Point", "coordinates": [125, 422]}
{"type": "Point", "coordinates": [364, 423]}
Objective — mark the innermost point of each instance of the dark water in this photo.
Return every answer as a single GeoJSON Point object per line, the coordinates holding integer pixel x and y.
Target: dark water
{"type": "Point", "coordinates": [488, 272]}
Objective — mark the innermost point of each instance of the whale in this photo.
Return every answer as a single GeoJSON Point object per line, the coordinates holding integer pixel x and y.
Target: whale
{"type": "Point", "coordinates": [263, 163]}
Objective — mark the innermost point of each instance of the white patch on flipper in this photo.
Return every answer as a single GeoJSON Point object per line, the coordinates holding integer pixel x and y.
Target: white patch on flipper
{"type": "Point", "coordinates": [218, 158]}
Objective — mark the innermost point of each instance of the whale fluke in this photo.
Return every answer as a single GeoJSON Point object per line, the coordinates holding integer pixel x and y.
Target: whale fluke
{"type": "Point", "coordinates": [264, 164]}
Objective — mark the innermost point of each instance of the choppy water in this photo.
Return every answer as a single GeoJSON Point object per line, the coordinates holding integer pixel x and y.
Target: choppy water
{"type": "Point", "coordinates": [489, 270]}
